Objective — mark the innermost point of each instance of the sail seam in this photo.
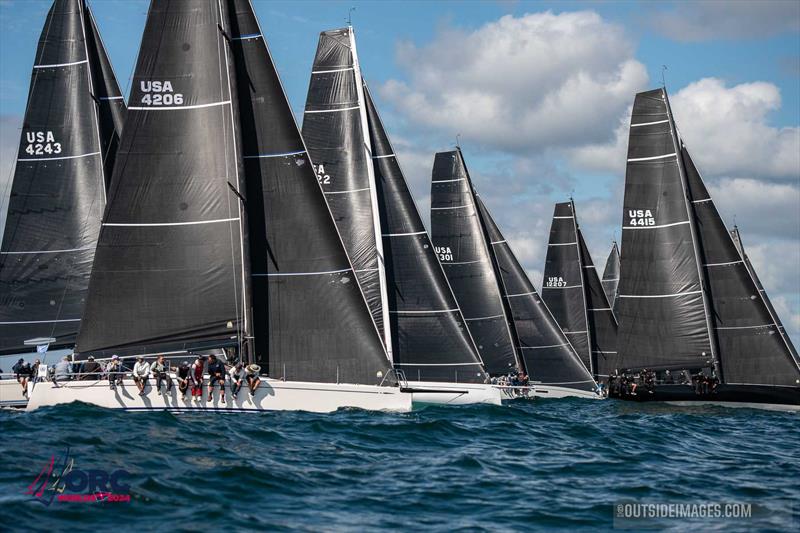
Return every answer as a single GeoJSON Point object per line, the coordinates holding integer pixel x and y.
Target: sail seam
{"type": "Point", "coordinates": [280, 274]}
{"type": "Point", "coordinates": [651, 158]}
{"type": "Point", "coordinates": [382, 156]}
{"type": "Point", "coordinates": [650, 123]}
{"type": "Point", "coordinates": [542, 347]}
{"type": "Point", "coordinates": [54, 65]}
{"type": "Point", "coordinates": [398, 312]}
{"type": "Point", "coordinates": [657, 295]}
{"type": "Point", "coordinates": [701, 201]}
{"type": "Point", "coordinates": [564, 287]}
{"type": "Point", "coordinates": [745, 327]}
{"type": "Point", "coordinates": [176, 107]}
{"type": "Point", "coordinates": [451, 207]}
{"type": "Point", "coordinates": [42, 321]}
{"type": "Point", "coordinates": [49, 251]}
{"type": "Point", "coordinates": [564, 217]}
{"type": "Point", "coordinates": [571, 332]}
{"type": "Point", "coordinates": [439, 364]}
{"type": "Point", "coordinates": [332, 110]}
{"type": "Point", "coordinates": [112, 98]}
{"type": "Point", "coordinates": [333, 70]}
{"type": "Point", "coordinates": [520, 294]}
{"type": "Point", "coordinates": [464, 262]}
{"type": "Point", "coordinates": [657, 227]}
{"type": "Point", "coordinates": [57, 158]}
{"type": "Point", "coordinates": [498, 242]}
{"type": "Point", "coordinates": [248, 36]}
{"type": "Point", "coordinates": [447, 181]}
{"type": "Point", "coordinates": [599, 309]}
{"type": "Point", "coordinates": [483, 318]}
{"type": "Point", "coordinates": [562, 243]}
{"type": "Point", "coordinates": [282, 154]}
{"type": "Point", "coordinates": [723, 264]}
{"type": "Point", "coordinates": [155, 224]}
{"type": "Point", "coordinates": [402, 234]}
{"type": "Point", "coordinates": [345, 192]}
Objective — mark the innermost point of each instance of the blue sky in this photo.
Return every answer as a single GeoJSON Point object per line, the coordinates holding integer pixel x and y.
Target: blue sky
{"type": "Point", "coordinates": [540, 93]}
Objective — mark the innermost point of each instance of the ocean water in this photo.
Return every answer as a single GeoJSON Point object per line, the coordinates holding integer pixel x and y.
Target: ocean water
{"type": "Point", "coordinates": [543, 465]}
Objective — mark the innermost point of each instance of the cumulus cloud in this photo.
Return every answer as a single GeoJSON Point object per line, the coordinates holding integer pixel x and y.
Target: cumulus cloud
{"type": "Point", "coordinates": [521, 83]}
{"type": "Point", "coordinates": [713, 19]}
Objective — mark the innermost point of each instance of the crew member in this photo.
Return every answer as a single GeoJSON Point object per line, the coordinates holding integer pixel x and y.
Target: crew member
{"type": "Point", "coordinates": [141, 371]}
{"type": "Point", "coordinates": [196, 374]}
{"type": "Point", "coordinates": [115, 371]}
{"type": "Point", "coordinates": [160, 370]}
{"type": "Point", "coordinates": [216, 374]}
{"type": "Point", "coordinates": [237, 374]}
{"type": "Point", "coordinates": [183, 378]}
{"type": "Point", "coordinates": [253, 380]}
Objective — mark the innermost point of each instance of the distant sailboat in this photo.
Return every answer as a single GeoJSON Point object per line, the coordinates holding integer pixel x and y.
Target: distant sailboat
{"type": "Point", "coordinates": [573, 292]}
{"type": "Point", "coordinates": [69, 139]}
{"type": "Point", "coordinates": [217, 233]}
{"type": "Point", "coordinates": [611, 276]}
{"type": "Point", "coordinates": [688, 302]}
{"type": "Point", "coordinates": [367, 193]}
{"type": "Point", "coordinates": [487, 276]}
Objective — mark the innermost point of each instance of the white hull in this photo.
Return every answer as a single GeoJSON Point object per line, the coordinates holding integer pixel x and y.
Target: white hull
{"type": "Point", "coordinates": [746, 405]}
{"type": "Point", "coordinates": [11, 393]}
{"type": "Point", "coordinates": [272, 395]}
{"type": "Point", "coordinates": [440, 393]}
{"type": "Point", "coordinates": [554, 391]}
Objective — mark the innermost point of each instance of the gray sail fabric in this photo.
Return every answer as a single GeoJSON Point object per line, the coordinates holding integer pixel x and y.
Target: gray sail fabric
{"type": "Point", "coordinates": [311, 320]}
{"type": "Point", "coordinates": [661, 311]}
{"type": "Point", "coordinates": [751, 347]}
{"type": "Point", "coordinates": [547, 355]}
{"type": "Point", "coordinates": [463, 252]}
{"type": "Point", "coordinates": [332, 129]}
{"type": "Point", "coordinates": [58, 189]}
{"type": "Point", "coordinates": [602, 322]}
{"type": "Point", "coordinates": [611, 276]}
{"type": "Point", "coordinates": [562, 287]}
{"type": "Point", "coordinates": [168, 271]}
{"type": "Point", "coordinates": [431, 341]}
{"type": "Point", "coordinates": [737, 241]}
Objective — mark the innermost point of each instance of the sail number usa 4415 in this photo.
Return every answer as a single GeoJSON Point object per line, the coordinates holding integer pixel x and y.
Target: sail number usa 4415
{"type": "Point", "coordinates": [159, 93]}
{"type": "Point", "coordinates": [641, 217]}
{"type": "Point", "coordinates": [41, 142]}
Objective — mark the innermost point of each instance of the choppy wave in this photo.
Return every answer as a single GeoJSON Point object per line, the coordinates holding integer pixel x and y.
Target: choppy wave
{"type": "Point", "coordinates": [550, 464]}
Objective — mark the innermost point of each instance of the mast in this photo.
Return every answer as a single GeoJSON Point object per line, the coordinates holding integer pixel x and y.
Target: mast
{"type": "Point", "coordinates": [460, 243]}
{"type": "Point", "coordinates": [334, 127]}
{"type": "Point", "coordinates": [376, 221]}
{"type": "Point", "coordinates": [312, 322]}
{"type": "Point", "coordinates": [57, 193]}
{"type": "Point", "coordinates": [611, 276]}
{"type": "Point", "coordinates": [431, 340]}
{"type": "Point", "coordinates": [582, 272]}
{"type": "Point", "coordinates": [548, 357]}
{"type": "Point", "coordinates": [562, 287]}
{"type": "Point", "coordinates": [697, 252]}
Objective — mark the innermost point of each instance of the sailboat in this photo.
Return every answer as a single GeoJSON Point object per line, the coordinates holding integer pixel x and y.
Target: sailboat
{"type": "Point", "coordinates": [217, 234]}
{"type": "Point", "coordinates": [70, 133]}
{"type": "Point", "coordinates": [610, 279]}
{"type": "Point", "coordinates": [694, 326]}
{"type": "Point", "coordinates": [512, 326]}
{"type": "Point", "coordinates": [573, 292]}
{"type": "Point", "coordinates": [396, 266]}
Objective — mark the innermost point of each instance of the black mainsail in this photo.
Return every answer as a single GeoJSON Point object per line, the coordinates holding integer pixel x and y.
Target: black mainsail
{"type": "Point", "coordinates": [662, 308]}
{"type": "Point", "coordinates": [311, 320]}
{"type": "Point", "coordinates": [463, 251]}
{"type": "Point", "coordinates": [335, 131]}
{"type": "Point", "coordinates": [431, 341]}
{"type": "Point", "coordinates": [563, 284]}
{"type": "Point", "coordinates": [687, 298]}
{"type": "Point", "coordinates": [69, 138]}
{"type": "Point", "coordinates": [737, 240]}
{"type": "Point", "coordinates": [611, 276]}
{"type": "Point", "coordinates": [547, 355]}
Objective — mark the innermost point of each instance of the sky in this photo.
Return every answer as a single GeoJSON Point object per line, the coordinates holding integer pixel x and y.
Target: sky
{"type": "Point", "coordinates": [539, 94]}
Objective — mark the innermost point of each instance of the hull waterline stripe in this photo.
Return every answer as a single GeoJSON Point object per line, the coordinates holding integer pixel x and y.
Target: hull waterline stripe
{"type": "Point", "coordinates": [382, 156]}
{"type": "Point", "coordinates": [158, 224]}
{"type": "Point", "coordinates": [249, 36]}
{"type": "Point", "coordinates": [402, 234]}
{"type": "Point", "coordinates": [58, 158]}
{"type": "Point", "coordinates": [520, 294]}
{"type": "Point", "coordinates": [483, 318]}
{"type": "Point", "coordinates": [49, 251]}
{"type": "Point", "coordinates": [345, 192]}
{"type": "Point", "coordinates": [280, 274]}
{"type": "Point", "coordinates": [54, 65]}
{"type": "Point", "coordinates": [657, 295]}
{"type": "Point", "coordinates": [447, 181]}
{"type": "Point", "coordinates": [282, 154]}
{"type": "Point", "coordinates": [723, 264]}
{"type": "Point", "coordinates": [451, 207]}
{"type": "Point", "coordinates": [746, 327]}
{"type": "Point", "coordinates": [332, 110]}
{"type": "Point", "coordinates": [649, 123]}
{"type": "Point", "coordinates": [562, 244]}
{"type": "Point", "coordinates": [651, 158]}
{"type": "Point", "coordinates": [345, 69]}
{"type": "Point", "coordinates": [423, 312]}
{"type": "Point", "coordinates": [657, 227]}
{"type": "Point", "coordinates": [177, 107]}
{"type": "Point", "coordinates": [542, 347]}
{"type": "Point", "coordinates": [42, 321]}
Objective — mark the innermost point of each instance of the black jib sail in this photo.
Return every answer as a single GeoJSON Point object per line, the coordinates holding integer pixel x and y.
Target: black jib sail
{"type": "Point", "coordinates": [311, 320]}
{"type": "Point", "coordinates": [431, 341]}
{"type": "Point", "coordinates": [662, 308]}
{"type": "Point", "coordinates": [463, 252]}
{"type": "Point", "coordinates": [737, 240]}
{"type": "Point", "coordinates": [611, 276]}
{"type": "Point", "coordinates": [335, 131]}
{"type": "Point", "coordinates": [752, 350]}
{"type": "Point", "coordinates": [67, 148]}
{"type": "Point", "coordinates": [602, 322]}
{"type": "Point", "coordinates": [548, 357]}
{"type": "Point", "coordinates": [562, 288]}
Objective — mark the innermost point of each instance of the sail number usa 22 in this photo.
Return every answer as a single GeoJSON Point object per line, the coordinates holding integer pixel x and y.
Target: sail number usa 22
{"type": "Point", "coordinates": [41, 142]}
{"type": "Point", "coordinates": [641, 217]}
{"type": "Point", "coordinates": [159, 93]}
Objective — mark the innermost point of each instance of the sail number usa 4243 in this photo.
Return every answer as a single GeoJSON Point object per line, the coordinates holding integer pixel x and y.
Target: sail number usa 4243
{"type": "Point", "coordinates": [41, 142]}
